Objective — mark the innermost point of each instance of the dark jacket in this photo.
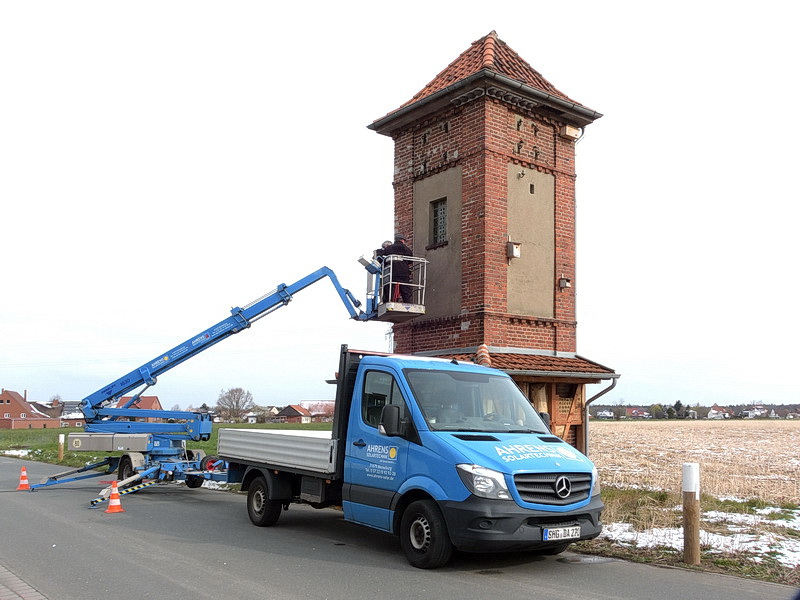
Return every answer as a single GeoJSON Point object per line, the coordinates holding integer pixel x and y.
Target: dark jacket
{"type": "Point", "coordinates": [400, 268]}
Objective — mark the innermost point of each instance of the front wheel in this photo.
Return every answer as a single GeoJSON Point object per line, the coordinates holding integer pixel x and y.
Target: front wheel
{"type": "Point", "coordinates": [424, 537]}
{"type": "Point", "coordinates": [263, 512]}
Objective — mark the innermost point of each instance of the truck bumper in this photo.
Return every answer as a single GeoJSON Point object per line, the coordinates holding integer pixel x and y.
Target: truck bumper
{"type": "Point", "coordinates": [483, 525]}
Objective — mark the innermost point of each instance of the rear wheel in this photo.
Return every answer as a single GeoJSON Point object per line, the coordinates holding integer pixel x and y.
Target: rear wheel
{"type": "Point", "coordinates": [262, 511]}
{"type": "Point", "coordinates": [424, 537]}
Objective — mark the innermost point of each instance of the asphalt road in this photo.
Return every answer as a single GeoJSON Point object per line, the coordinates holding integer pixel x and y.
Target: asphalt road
{"type": "Point", "coordinates": [178, 543]}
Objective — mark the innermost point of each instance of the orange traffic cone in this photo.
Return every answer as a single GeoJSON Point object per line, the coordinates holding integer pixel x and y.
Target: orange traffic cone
{"type": "Point", "coordinates": [23, 480]}
{"type": "Point", "coordinates": [114, 505]}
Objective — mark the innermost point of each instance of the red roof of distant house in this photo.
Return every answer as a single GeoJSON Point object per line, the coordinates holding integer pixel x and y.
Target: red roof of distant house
{"type": "Point", "coordinates": [294, 410]}
{"type": "Point", "coordinates": [146, 402]}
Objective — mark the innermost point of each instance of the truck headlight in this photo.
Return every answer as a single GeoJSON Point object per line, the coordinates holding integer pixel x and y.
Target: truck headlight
{"type": "Point", "coordinates": [595, 482]}
{"type": "Point", "coordinates": [484, 482]}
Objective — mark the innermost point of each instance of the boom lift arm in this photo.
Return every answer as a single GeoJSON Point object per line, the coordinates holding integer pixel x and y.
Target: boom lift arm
{"type": "Point", "coordinates": [158, 449]}
{"type": "Point", "coordinates": [99, 408]}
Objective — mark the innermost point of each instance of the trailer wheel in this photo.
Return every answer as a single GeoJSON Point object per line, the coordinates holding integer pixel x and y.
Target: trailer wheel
{"type": "Point", "coordinates": [207, 463]}
{"type": "Point", "coordinates": [194, 481]}
{"type": "Point", "coordinates": [263, 512]}
{"type": "Point", "coordinates": [424, 537]}
{"type": "Point", "coordinates": [125, 468]}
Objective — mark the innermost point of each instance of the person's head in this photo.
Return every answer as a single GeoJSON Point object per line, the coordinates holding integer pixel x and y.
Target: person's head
{"type": "Point", "coordinates": [386, 244]}
{"type": "Point", "coordinates": [399, 237]}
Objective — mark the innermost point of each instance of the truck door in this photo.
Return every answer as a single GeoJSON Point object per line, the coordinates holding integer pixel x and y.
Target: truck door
{"type": "Point", "coordinates": [375, 464]}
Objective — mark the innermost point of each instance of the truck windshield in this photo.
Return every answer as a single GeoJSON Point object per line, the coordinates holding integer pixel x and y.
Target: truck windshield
{"type": "Point", "coordinates": [463, 401]}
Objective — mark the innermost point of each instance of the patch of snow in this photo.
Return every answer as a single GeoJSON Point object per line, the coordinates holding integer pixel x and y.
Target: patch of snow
{"type": "Point", "coordinates": [784, 549]}
{"type": "Point", "coordinates": [16, 452]}
{"type": "Point", "coordinates": [216, 485]}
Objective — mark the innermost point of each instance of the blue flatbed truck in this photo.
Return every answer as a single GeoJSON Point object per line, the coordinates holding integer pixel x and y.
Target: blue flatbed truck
{"type": "Point", "coordinates": [445, 454]}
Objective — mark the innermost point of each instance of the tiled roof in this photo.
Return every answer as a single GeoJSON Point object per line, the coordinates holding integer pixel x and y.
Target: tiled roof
{"type": "Point", "coordinates": [542, 363]}
{"type": "Point", "coordinates": [294, 410]}
{"type": "Point", "coordinates": [146, 402]}
{"type": "Point", "coordinates": [493, 54]}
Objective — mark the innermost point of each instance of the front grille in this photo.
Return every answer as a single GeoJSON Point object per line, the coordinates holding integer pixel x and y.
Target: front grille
{"type": "Point", "coordinates": [540, 488]}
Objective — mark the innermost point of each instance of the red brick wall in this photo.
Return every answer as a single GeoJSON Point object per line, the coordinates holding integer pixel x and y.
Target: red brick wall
{"type": "Point", "coordinates": [485, 138]}
{"type": "Point", "coordinates": [40, 423]}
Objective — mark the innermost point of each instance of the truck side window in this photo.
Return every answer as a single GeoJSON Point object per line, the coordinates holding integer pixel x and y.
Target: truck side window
{"type": "Point", "coordinates": [380, 389]}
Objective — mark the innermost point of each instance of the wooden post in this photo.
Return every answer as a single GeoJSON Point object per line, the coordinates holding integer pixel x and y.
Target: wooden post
{"type": "Point", "coordinates": [691, 513]}
{"type": "Point", "coordinates": [60, 447]}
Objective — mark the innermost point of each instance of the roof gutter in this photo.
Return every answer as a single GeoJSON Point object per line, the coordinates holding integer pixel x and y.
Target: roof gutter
{"type": "Point", "coordinates": [565, 374]}
{"type": "Point", "coordinates": [587, 113]}
{"type": "Point", "coordinates": [581, 111]}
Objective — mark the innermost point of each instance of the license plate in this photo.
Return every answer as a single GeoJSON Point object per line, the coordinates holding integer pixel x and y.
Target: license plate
{"type": "Point", "coordinates": [561, 533]}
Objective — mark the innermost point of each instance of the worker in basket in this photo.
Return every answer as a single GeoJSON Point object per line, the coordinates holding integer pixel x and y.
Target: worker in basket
{"type": "Point", "coordinates": [398, 290]}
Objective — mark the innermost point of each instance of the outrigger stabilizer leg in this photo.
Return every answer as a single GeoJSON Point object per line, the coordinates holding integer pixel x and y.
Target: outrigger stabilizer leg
{"type": "Point", "coordinates": [111, 461]}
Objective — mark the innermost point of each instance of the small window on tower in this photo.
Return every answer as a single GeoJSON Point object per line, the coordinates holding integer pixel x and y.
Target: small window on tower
{"type": "Point", "coordinates": [438, 223]}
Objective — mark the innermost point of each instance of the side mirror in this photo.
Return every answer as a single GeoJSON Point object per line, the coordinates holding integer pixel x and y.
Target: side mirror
{"type": "Point", "coordinates": [390, 424]}
{"type": "Point", "coordinates": [546, 418]}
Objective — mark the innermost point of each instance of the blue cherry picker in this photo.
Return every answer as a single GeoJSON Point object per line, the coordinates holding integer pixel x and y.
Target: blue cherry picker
{"type": "Point", "coordinates": [153, 443]}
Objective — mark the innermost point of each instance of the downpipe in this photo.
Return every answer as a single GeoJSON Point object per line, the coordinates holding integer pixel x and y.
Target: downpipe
{"type": "Point", "coordinates": [586, 411]}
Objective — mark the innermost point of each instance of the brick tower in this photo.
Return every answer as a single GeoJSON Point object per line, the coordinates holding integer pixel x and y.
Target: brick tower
{"type": "Point", "coordinates": [484, 183]}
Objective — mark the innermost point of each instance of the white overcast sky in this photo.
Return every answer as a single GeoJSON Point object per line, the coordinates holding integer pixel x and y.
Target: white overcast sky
{"type": "Point", "coordinates": [161, 162]}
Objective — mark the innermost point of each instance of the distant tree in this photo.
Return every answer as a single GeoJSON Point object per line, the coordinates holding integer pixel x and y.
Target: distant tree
{"type": "Point", "coordinates": [321, 410]}
{"type": "Point", "coordinates": [680, 411]}
{"type": "Point", "coordinates": [619, 409]}
{"type": "Point", "coordinates": [657, 411]}
{"type": "Point", "coordinates": [671, 414]}
{"type": "Point", "coordinates": [702, 411]}
{"type": "Point", "coordinates": [55, 399]}
{"type": "Point", "coordinates": [234, 404]}
{"type": "Point", "coordinates": [176, 407]}
{"type": "Point", "coordinates": [204, 408]}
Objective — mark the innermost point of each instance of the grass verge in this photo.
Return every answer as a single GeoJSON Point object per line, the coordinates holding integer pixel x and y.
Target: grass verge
{"type": "Point", "coordinates": [648, 510]}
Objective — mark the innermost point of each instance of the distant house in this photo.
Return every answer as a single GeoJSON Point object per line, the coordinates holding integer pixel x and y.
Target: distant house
{"type": "Point", "coordinates": [271, 412]}
{"type": "Point", "coordinates": [52, 410]}
{"type": "Point", "coordinates": [321, 411]}
{"type": "Point", "coordinates": [71, 414]}
{"type": "Point", "coordinates": [144, 402]}
{"type": "Point", "coordinates": [294, 413]}
{"type": "Point", "coordinates": [717, 413]}
{"type": "Point", "coordinates": [17, 413]}
{"type": "Point", "coordinates": [755, 412]}
{"type": "Point", "coordinates": [605, 413]}
{"type": "Point", "coordinates": [637, 413]}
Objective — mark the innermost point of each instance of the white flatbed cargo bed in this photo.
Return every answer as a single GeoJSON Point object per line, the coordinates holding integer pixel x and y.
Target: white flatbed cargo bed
{"type": "Point", "coordinates": [291, 449]}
